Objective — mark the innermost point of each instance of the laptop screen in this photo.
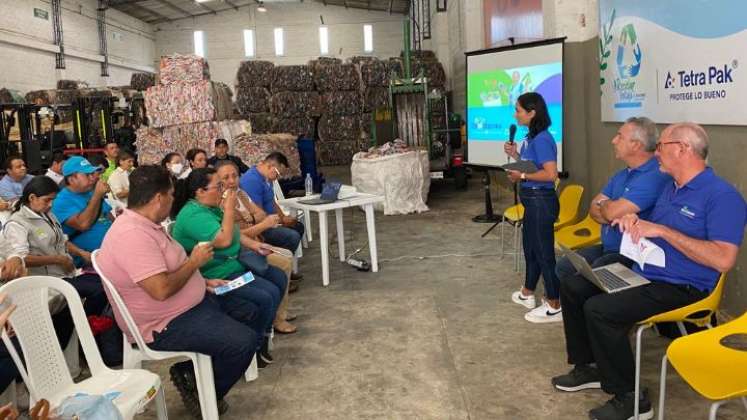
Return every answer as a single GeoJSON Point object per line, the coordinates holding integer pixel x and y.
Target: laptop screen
{"type": "Point", "coordinates": [331, 190]}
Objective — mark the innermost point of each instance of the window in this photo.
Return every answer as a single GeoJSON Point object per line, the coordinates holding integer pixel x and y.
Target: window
{"type": "Point", "coordinates": [323, 40]}
{"type": "Point", "coordinates": [248, 43]}
{"type": "Point", "coordinates": [367, 38]}
{"type": "Point", "coordinates": [200, 43]}
{"type": "Point", "coordinates": [279, 47]}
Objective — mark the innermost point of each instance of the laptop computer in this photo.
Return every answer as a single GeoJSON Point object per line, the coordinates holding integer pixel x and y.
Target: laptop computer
{"type": "Point", "coordinates": [610, 278]}
{"type": "Point", "coordinates": [330, 193]}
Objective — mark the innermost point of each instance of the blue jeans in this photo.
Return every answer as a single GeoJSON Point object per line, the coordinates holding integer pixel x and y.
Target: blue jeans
{"type": "Point", "coordinates": [265, 296]}
{"type": "Point", "coordinates": [285, 237]}
{"type": "Point", "coordinates": [541, 209]}
{"type": "Point", "coordinates": [595, 255]}
{"type": "Point", "coordinates": [258, 265]}
{"type": "Point", "coordinates": [219, 327]}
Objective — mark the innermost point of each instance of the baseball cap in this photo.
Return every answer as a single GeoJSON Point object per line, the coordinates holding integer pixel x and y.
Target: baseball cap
{"type": "Point", "coordinates": [78, 164]}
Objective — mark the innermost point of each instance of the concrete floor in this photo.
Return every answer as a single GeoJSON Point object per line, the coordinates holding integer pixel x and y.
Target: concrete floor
{"type": "Point", "coordinates": [424, 338]}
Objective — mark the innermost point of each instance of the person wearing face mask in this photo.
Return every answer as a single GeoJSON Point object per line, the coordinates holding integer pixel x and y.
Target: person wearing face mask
{"type": "Point", "coordinates": [119, 181]}
{"type": "Point", "coordinates": [174, 163]}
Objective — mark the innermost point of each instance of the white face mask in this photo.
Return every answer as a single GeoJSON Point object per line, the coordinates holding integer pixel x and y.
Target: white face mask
{"type": "Point", "coordinates": [176, 168]}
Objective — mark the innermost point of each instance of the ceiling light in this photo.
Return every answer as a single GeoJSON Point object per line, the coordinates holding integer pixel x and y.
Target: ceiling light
{"type": "Point", "coordinates": [261, 7]}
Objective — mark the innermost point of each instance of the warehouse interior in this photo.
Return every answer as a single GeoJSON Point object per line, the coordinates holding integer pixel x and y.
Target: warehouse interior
{"type": "Point", "coordinates": [405, 307]}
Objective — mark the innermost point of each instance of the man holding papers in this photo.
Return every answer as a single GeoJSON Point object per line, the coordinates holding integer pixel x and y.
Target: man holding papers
{"type": "Point", "coordinates": [633, 189]}
{"type": "Point", "coordinates": [698, 221]}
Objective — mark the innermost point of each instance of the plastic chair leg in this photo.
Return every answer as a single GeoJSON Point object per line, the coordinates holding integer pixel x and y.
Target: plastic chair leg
{"type": "Point", "coordinates": [161, 404]}
{"type": "Point", "coordinates": [252, 373]}
{"type": "Point", "coordinates": [662, 386]}
{"type": "Point", "coordinates": [206, 387]}
{"type": "Point", "coordinates": [638, 349]}
{"type": "Point", "coordinates": [131, 357]}
{"type": "Point", "coordinates": [714, 409]}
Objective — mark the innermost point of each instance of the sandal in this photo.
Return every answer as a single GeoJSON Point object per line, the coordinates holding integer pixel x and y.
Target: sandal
{"type": "Point", "coordinates": [285, 328]}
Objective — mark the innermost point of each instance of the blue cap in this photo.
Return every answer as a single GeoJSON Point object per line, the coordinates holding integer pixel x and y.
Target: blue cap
{"type": "Point", "coordinates": [78, 164]}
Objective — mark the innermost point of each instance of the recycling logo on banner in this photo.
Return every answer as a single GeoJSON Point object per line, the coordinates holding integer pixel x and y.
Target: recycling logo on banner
{"type": "Point", "coordinates": [628, 53]}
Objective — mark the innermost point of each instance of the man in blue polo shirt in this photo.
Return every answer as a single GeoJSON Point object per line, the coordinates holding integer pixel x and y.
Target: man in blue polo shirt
{"type": "Point", "coordinates": [80, 206]}
{"type": "Point", "coordinates": [699, 222]}
{"type": "Point", "coordinates": [15, 179]}
{"type": "Point", "coordinates": [257, 184]}
{"type": "Point", "coordinates": [632, 190]}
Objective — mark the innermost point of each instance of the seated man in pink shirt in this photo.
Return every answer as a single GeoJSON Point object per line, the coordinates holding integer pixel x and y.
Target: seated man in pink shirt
{"type": "Point", "coordinates": [166, 294]}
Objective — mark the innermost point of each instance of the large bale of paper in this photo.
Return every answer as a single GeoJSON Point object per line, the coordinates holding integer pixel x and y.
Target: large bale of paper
{"type": "Point", "coordinates": [336, 77]}
{"type": "Point", "coordinates": [366, 120]}
{"type": "Point", "coordinates": [339, 128]}
{"type": "Point", "coordinates": [55, 97]}
{"type": "Point", "coordinates": [298, 126]}
{"type": "Point", "coordinates": [337, 153]}
{"type": "Point", "coordinates": [324, 61]}
{"type": "Point", "coordinates": [142, 81]}
{"type": "Point", "coordinates": [188, 68]}
{"type": "Point", "coordinates": [373, 73]}
{"type": "Point", "coordinates": [252, 149]}
{"type": "Point", "coordinates": [149, 143]}
{"type": "Point", "coordinates": [252, 99]}
{"type": "Point", "coordinates": [10, 96]}
{"type": "Point", "coordinates": [342, 102]}
{"type": "Point", "coordinates": [420, 55]}
{"type": "Point", "coordinates": [71, 84]}
{"type": "Point", "coordinates": [292, 78]}
{"type": "Point", "coordinates": [402, 178]}
{"type": "Point", "coordinates": [375, 98]}
{"type": "Point", "coordinates": [183, 103]}
{"type": "Point", "coordinates": [255, 73]}
{"type": "Point", "coordinates": [294, 104]}
{"type": "Point", "coordinates": [262, 122]}
{"type": "Point", "coordinates": [433, 70]}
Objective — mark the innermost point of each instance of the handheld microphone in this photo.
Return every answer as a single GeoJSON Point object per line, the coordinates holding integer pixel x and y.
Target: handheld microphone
{"type": "Point", "coordinates": [511, 133]}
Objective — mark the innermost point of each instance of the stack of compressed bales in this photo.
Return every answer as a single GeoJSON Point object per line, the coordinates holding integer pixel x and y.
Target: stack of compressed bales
{"type": "Point", "coordinates": [294, 103]}
{"type": "Point", "coordinates": [185, 109]}
{"type": "Point", "coordinates": [142, 81]}
{"type": "Point", "coordinates": [252, 148]}
{"type": "Point", "coordinates": [342, 105]}
{"type": "Point", "coordinates": [253, 81]}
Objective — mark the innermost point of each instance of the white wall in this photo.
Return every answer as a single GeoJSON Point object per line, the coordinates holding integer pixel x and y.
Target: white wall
{"type": "Point", "coordinates": [300, 21]}
{"type": "Point", "coordinates": [26, 43]}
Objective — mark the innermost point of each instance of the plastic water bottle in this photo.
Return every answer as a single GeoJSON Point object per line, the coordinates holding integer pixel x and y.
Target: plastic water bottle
{"type": "Point", "coordinates": [309, 184]}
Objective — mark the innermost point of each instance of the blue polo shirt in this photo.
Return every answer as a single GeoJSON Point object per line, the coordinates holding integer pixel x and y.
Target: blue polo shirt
{"type": "Point", "coordinates": [641, 186]}
{"type": "Point", "coordinates": [539, 150]}
{"type": "Point", "coordinates": [67, 204]}
{"type": "Point", "coordinates": [258, 189]}
{"type": "Point", "coordinates": [10, 190]}
{"type": "Point", "coordinates": [706, 208]}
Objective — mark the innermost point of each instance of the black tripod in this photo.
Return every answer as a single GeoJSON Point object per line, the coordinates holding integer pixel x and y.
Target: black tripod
{"type": "Point", "coordinates": [489, 216]}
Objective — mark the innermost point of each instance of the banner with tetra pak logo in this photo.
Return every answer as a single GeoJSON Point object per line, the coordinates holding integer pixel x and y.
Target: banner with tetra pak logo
{"type": "Point", "coordinates": [674, 60]}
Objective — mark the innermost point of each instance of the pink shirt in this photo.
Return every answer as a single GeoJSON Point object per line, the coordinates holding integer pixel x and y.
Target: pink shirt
{"type": "Point", "coordinates": [135, 249]}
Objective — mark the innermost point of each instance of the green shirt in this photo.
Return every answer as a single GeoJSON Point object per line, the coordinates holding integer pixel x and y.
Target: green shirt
{"type": "Point", "coordinates": [198, 223]}
{"type": "Point", "coordinates": [109, 171]}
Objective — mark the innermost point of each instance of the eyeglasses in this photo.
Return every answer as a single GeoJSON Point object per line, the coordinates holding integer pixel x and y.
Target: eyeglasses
{"type": "Point", "coordinates": [218, 186]}
{"type": "Point", "coordinates": [662, 144]}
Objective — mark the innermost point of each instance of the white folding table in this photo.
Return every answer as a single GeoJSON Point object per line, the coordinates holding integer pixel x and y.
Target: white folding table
{"type": "Point", "coordinates": [366, 201]}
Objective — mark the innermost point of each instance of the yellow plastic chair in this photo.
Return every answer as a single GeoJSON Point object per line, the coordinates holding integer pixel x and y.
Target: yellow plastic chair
{"type": "Point", "coordinates": [714, 370]}
{"type": "Point", "coordinates": [584, 233]}
{"type": "Point", "coordinates": [570, 201]}
{"type": "Point", "coordinates": [698, 313]}
{"type": "Point", "coordinates": [514, 216]}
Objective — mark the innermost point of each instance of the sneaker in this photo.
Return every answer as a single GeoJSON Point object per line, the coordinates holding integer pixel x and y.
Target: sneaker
{"type": "Point", "coordinates": [185, 383]}
{"type": "Point", "coordinates": [544, 313]}
{"type": "Point", "coordinates": [622, 407]}
{"type": "Point", "coordinates": [580, 378]}
{"type": "Point", "coordinates": [527, 301]}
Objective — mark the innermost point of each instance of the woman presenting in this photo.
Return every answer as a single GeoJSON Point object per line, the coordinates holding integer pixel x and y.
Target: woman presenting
{"type": "Point", "coordinates": [537, 193]}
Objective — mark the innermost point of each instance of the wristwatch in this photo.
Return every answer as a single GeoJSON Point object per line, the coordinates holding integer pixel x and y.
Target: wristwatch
{"type": "Point", "coordinates": [523, 176]}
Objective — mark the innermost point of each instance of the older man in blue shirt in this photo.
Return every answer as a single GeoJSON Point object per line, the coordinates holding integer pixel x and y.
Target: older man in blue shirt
{"type": "Point", "coordinates": [699, 222]}
{"type": "Point", "coordinates": [631, 190]}
{"type": "Point", "coordinates": [16, 177]}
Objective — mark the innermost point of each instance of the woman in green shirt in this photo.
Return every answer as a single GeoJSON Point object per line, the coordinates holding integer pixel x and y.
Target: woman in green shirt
{"type": "Point", "coordinates": [199, 218]}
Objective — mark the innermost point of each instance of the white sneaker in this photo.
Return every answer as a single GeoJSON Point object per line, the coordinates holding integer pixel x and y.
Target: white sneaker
{"type": "Point", "coordinates": [544, 313]}
{"type": "Point", "coordinates": [527, 301]}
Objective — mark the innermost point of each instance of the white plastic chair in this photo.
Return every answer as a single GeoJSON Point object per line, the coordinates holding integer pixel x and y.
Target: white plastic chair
{"type": "Point", "coordinates": [134, 353]}
{"type": "Point", "coordinates": [48, 376]}
{"type": "Point", "coordinates": [307, 237]}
